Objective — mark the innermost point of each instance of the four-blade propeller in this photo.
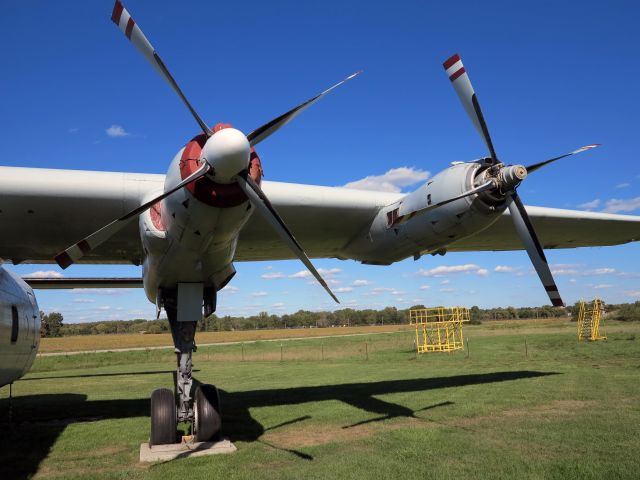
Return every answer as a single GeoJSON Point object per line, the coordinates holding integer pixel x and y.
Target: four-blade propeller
{"type": "Point", "coordinates": [256, 196]}
{"type": "Point", "coordinates": [462, 85]}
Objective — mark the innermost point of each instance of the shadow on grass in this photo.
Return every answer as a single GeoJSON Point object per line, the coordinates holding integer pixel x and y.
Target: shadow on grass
{"type": "Point", "coordinates": [239, 425]}
{"type": "Point", "coordinates": [38, 420]}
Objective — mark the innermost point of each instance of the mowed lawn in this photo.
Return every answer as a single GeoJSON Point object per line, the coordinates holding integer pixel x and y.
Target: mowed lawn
{"type": "Point", "coordinates": [349, 407]}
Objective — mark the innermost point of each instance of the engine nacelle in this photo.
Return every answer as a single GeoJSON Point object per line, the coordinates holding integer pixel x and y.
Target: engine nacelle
{"type": "Point", "coordinates": [19, 327]}
{"type": "Point", "coordinates": [191, 236]}
{"type": "Point", "coordinates": [432, 231]}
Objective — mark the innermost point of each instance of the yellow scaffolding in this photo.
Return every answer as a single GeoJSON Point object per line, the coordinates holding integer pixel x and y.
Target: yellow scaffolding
{"type": "Point", "coordinates": [439, 329]}
{"type": "Point", "coordinates": [589, 317]}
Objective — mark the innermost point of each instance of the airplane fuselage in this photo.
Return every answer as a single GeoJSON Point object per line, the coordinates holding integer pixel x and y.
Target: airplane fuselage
{"type": "Point", "coordinates": [19, 327]}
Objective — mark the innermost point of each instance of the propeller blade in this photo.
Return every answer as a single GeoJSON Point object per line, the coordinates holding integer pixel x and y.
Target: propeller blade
{"type": "Point", "coordinates": [462, 85]}
{"type": "Point", "coordinates": [274, 125]}
{"type": "Point", "coordinates": [536, 166]}
{"type": "Point", "coordinates": [531, 243]}
{"type": "Point", "coordinates": [399, 220]}
{"type": "Point", "coordinates": [262, 204]}
{"type": "Point", "coordinates": [125, 23]}
{"type": "Point", "coordinates": [87, 244]}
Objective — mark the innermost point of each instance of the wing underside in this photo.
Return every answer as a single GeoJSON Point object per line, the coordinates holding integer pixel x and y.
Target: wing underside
{"type": "Point", "coordinates": [557, 228]}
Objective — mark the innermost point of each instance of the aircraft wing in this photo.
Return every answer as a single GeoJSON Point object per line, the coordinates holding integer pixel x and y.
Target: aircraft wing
{"type": "Point", "coordinates": [556, 228]}
{"type": "Point", "coordinates": [323, 220]}
{"type": "Point", "coordinates": [43, 211]}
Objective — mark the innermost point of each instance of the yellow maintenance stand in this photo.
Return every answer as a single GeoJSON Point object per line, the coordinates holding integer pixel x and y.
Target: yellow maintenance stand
{"type": "Point", "coordinates": [439, 329]}
{"type": "Point", "coordinates": [589, 317]}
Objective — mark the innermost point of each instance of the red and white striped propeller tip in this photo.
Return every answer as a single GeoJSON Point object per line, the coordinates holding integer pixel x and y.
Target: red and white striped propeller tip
{"type": "Point", "coordinates": [121, 17]}
{"type": "Point", "coordinates": [454, 67]}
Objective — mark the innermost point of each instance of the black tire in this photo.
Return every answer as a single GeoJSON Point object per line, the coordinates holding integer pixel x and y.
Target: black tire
{"type": "Point", "coordinates": [163, 417]}
{"type": "Point", "coordinates": [208, 419]}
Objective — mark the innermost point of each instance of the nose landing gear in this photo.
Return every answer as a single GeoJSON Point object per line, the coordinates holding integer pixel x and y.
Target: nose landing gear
{"type": "Point", "coordinates": [168, 408]}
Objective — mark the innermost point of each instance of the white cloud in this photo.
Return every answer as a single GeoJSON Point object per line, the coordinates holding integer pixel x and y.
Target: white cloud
{"type": "Point", "coordinates": [278, 305]}
{"type": "Point", "coordinates": [590, 205]}
{"type": "Point", "coordinates": [99, 291]}
{"type": "Point", "coordinates": [483, 272]}
{"type": "Point", "coordinates": [73, 130]}
{"type": "Point", "coordinates": [600, 271]}
{"type": "Point", "coordinates": [116, 131]}
{"type": "Point", "coordinates": [382, 289]}
{"type": "Point", "coordinates": [576, 269]}
{"type": "Point", "coordinates": [628, 274]}
{"type": "Point", "coordinates": [301, 274]}
{"type": "Point", "coordinates": [44, 274]}
{"type": "Point", "coordinates": [632, 293]}
{"type": "Point", "coordinates": [397, 292]}
{"type": "Point", "coordinates": [623, 185]}
{"type": "Point", "coordinates": [391, 181]}
{"type": "Point", "coordinates": [603, 285]}
{"type": "Point", "coordinates": [229, 290]}
{"type": "Point", "coordinates": [326, 273]}
{"type": "Point", "coordinates": [425, 287]}
{"type": "Point", "coordinates": [272, 276]}
{"type": "Point", "coordinates": [259, 294]}
{"type": "Point", "coordinates": [444, 282]}
{"type": "Point", "coordinates": [361, 283]}
{"type": "Point", "coordinates": [447, 290]}
{"type": "Point", "coordinates": [615, 205]}
{"type": "Point", "coordinates": [564, 271]}
{"type": "Point", "coordinates": [504, 269]}
{"type": "Point", "coordinates": [443, 270]}
{"type": "Point", "coordinates": [331, 271]}
{"type": "Point", "coordinates": [343, 290]}
{"type": "Point", "coordinates": [83, 300]}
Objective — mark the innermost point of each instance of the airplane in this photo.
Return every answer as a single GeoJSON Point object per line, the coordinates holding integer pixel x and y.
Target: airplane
{"type": "Point", "coordinates": [212, 208]}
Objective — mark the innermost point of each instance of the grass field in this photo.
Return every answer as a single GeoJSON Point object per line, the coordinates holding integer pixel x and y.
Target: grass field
{"type": "Point", "coordinates": [349, 407]}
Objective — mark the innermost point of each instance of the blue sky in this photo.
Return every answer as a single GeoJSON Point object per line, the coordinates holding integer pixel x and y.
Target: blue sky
{"type": "Point", "coordinates": [551, 76]}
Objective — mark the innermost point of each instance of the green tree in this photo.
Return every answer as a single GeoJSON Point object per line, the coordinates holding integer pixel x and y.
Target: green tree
{"type": "Point", "coordinates": [51, 324]}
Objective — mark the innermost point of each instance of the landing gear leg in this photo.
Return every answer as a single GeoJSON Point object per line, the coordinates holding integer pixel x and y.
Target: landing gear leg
{"type": "Point", "coordinates": [202, 408]}
{"type": "Point", "coordinates": [184, 341]}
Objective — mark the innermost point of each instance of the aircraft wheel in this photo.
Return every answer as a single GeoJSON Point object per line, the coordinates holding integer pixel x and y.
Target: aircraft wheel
{"type": "Point", "coordinates": [207, 413]}
{"type": "Point", "coordinates": [163, 417]}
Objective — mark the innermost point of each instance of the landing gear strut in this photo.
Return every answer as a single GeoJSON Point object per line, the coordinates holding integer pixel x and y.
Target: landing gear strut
{"type": "Point", "coordinates": [201, 410]}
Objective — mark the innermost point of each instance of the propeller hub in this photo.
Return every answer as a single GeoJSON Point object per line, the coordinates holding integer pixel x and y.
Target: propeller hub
{"type": "Point", "coordinates": [511, 176]}
{"type": "Point", "coordinates": [227, 152]}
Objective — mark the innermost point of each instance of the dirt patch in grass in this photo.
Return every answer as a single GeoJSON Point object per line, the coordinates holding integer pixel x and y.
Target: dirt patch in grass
{"type": "Point", "coordinates": [555, 408]}
{"type": "Point", "coordinates": [312, 435]}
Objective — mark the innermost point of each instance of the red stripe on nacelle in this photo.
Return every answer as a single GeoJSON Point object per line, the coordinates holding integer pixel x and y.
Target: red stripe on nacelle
{"type": "Point", "coordinates": [451, 61]}
{"type": "Point", "coordinates": [117, 12]}
{"type": "Point", "coordinates": [129, 29]}
{"type": "Point", "coordinates": [457, 74]}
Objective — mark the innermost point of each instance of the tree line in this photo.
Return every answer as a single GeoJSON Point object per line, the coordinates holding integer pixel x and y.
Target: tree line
{"type": "Point", "coordinates": [53, 323]}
